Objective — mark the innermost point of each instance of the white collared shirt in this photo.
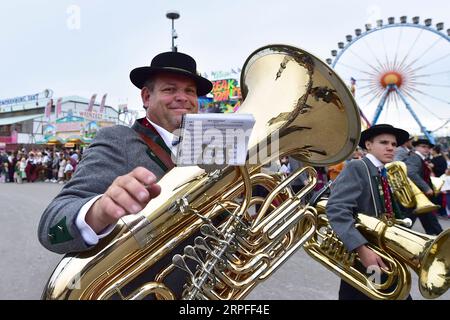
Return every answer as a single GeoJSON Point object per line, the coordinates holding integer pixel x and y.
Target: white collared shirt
{"type": "Point", "coordinates": [377, 163]}
{"type": "Point", "coordinates": [420, 155]}
{"type": "Point", "coordinates": [167, 136]}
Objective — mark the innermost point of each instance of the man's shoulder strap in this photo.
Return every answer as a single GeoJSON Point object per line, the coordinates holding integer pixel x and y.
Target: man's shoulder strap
{"type": "Point", "coordinates": [156, 151]}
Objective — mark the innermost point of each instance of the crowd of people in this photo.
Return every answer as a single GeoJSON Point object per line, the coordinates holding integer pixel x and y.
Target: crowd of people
{"type": "Point", "coordinates": [56, 166]}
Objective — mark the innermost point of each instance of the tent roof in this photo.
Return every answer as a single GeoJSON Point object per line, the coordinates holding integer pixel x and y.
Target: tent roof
{"type": "Point", "coordinates": [12, 120]}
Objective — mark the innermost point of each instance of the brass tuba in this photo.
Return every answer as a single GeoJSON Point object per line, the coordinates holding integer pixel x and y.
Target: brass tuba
{"type": "Point", "coordinates": [399, 247]}
{"type": "Point", "coordinates": [406, 191]}
{"type": "Point", "coordinates": [204, 230]}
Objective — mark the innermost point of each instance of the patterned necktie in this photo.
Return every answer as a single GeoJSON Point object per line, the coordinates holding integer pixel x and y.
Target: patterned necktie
{"type": "Point", "coordinates": [386, 193]}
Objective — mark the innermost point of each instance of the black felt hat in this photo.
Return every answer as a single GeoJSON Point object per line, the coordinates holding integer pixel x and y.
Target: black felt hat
{"type": "Point", "coordinates": [401, 135]}
{"type": "Point", "coordinates": [173, 62]}
{"type": "Point", "coordinates": [418, 141]}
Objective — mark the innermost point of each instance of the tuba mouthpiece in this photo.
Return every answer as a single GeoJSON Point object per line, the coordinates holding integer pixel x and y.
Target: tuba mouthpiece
{"type": "Point", "coordinates": [407, 222]}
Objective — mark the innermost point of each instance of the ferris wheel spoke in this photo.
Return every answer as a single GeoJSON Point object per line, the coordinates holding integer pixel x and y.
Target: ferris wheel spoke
{"type": "Point", "coordinates": [409, 74]}
{"type": "Point", "coordinates": [372, 86]}
{"type": "Point", "coordinates": [429, 96]}
{"type": "Point", "coordinates": [365, 61]}
{"type": "Point", "coordinates": [401, 66]}
{"type": "Point", "coordinates": [429, 74]}
{"type": "Point", "coordinates": [424, 53]}
{"type": "Point", "coordinates": [398, 46]}
{"type": "Point", "coordinates": [409, 94]}
{"type": "Point", "coordinates": [373, 93]}
{"type": "Point", "coordinates": [366, 80]}
{"type": "Point", "coordinates": [423, 84]}
{"type": "Point", "coordinates": [356, 69]}
{"type": "Point", "coordinates": [376, 94]}
{"type": "Point", "coordinates": [397, 108]}
{"type": "Point", "coordinates": [380, 64]}
{"type": "Point", "coordinates": [430, 63]}
{"type": "Point", "coordinates": [442, 126]}
{"type": "Point", "coordinates": [385, 51]}
{"type": "Point", "coordinates": [387, 108]}
{"type": "Point", "coordinates": [396, 98]}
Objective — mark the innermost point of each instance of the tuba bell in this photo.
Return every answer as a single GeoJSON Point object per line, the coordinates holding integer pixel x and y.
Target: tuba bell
{"type": "Point", "coordinates": [399, 247]}
{"type": "Point", "coordinates": [205, 229]}
{"type": "Point", "coordinates": [406, 191]}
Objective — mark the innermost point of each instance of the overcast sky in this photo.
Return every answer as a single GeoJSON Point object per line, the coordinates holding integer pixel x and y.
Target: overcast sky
{"type": "Point", "coordinates": [90, 46]}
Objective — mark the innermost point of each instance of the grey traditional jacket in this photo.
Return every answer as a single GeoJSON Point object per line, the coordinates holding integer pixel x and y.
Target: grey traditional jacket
{"type": "Point", "coordinates": [414, 165]}
{"type": "Point", "coordinates": [401, 154]}
{"type": "Point", "coordinates": [114, 152]}
{"type": "Point", "coordinates": [351, 194]}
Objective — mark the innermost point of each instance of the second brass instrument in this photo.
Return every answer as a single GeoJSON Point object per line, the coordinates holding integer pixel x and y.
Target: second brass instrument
{"type": "Point", "coordinates": [399, 247]}
{"type": "Point", "coordinates": [406, 191]}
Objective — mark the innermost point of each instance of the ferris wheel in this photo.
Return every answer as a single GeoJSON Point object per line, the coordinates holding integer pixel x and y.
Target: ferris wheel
{"type": "Point", "coordinates": [399, 73]}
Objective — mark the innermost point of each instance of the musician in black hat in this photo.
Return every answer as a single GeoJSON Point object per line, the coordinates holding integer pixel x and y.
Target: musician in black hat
{"type": "Point", "coordinates": [362, 187]}
{"type": "Point", "coordinates": [419, 171]}
{"type": "Point", "coordinates": [402, 152]}
{"type": "Point", "coordinates": [120, 170]}
{"type": "Point", "coordinates": [439, 166]}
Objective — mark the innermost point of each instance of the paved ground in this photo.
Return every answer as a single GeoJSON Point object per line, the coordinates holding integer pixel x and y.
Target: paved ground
{"type": "Point", "coordinates": [25, 265]}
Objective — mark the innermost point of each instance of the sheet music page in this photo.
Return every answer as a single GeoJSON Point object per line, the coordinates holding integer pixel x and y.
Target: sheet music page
{"type": "Point", "coordinates": [214, 139]}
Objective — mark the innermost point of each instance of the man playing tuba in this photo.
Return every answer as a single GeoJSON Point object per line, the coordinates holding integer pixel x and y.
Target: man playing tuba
{"type": "Point", "coordinates": [362, 187]}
